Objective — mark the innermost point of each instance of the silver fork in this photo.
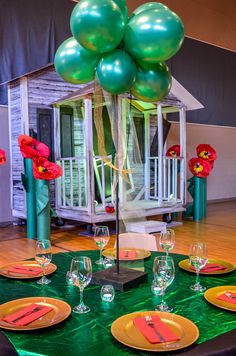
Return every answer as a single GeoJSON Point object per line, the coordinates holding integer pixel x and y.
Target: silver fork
{"type": "Point", "coordinates": [36, 309]}
{"type": "Point", "coordinates": [230, 295]}
{"type": "Point", "coordinates": [150, 323]}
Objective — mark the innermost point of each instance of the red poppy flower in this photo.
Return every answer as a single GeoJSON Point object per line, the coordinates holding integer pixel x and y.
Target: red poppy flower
{"type": "Point", "coordinates": [206, 152]}
{"type": "Point", "coordinates": [173, 151]}
{"type": "Point", "coordinates": [43, 169]}
{"type": "Point", "coordinates": [2, 157]}
{"type": "Point", "coordinates": [27, 146]}
{"type": "Point", "coordinates": [42, 149]}
{"type": "Point", "coordinates": [200, 167]}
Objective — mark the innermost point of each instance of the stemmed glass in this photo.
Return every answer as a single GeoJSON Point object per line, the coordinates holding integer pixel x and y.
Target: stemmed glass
{"type": "Point", "coordinates": [163, 274]}
{"type": "Point", "coordinates": [198, 259]}
{"type": "Point", "coordinates": [43, 255]}
{"type": "Point", "coordinates": [101, 237]}
{"type": "Point", "coordinates": [167, 240]}
{"type": "Point", "coordinates": [81, 272]}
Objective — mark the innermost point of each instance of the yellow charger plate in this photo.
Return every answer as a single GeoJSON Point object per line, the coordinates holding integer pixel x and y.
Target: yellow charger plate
{"type": "Point", "coordinates": [4, 270]}
{"type": "Point", "coordinates": [140, 254]}
{"type": "Point", "coordinates": [212, 294]}
{"type": "Point", "coordinates": [61, 311]}
{"type": "Point", "coordinates": [185, 264]}
{"type": "Point", "coordinates": [125, 332]}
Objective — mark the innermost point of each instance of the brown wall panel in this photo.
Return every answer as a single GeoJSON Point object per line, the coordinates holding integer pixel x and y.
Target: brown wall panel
{"type": "Point", "coordinates": [210, 21]}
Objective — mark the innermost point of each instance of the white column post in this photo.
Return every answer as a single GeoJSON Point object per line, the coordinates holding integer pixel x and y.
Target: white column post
{"type": "Point", "coordinates": [160, 152]}
{"type": "Point", "coordinates": [89, 154]}
{"type": "Point", "coordinates": [183, 163]}
{"type": "Point", "coordinates": [147, 154]}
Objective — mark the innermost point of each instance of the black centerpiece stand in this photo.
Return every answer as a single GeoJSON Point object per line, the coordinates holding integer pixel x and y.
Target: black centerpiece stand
{"type": "Point", "coordinates": [121, 278]}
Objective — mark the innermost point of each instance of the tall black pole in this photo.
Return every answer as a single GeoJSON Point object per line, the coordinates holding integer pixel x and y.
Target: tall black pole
{"type": "Point", "coordinates": [117, 226]}
{"type": "Point", "coordinates": [116, 119]}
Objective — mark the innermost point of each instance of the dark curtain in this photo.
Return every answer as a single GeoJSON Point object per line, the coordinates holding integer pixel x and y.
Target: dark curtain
{"type": "Point", "coordinates": [209, 74]}
{"type": "Point", "coordinates": [32, 30]}
{"type": "Point", "coordinates": [30, 33]}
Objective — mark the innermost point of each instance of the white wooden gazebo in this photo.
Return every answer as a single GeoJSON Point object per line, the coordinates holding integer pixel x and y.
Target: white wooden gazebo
{"type": "Point", "coordinates": [153, 184]}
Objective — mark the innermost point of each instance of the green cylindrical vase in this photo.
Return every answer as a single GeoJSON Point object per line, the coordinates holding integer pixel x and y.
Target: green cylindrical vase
{"type": "Point", "coordinates": [30, 199]}
{"type": "Point", "coordinates": [199, 201]}
{"type": "Point", "coordinates": [43, 210]}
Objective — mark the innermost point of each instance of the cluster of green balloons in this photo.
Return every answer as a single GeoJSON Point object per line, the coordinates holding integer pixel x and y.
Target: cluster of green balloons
{"type": "Point", "coordinates": [124, 54]}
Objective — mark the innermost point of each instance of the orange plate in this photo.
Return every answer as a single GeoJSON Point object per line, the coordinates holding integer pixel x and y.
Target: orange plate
{"type": "Point", "coordinates": [61, 311]}
{"type": "Point", "coordinates": [185, 264]}
{"type": "Point", "coordinates": [4, 270]}
{"type": "Point", "coordinates": [124, 331]}
{"type": "Point", "coordinates": [140, 254]}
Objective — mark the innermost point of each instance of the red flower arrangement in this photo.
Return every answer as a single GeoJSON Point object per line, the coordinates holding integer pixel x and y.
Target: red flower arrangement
{"type": "Point", "coordinates": [2, 157]}
{"type": "Point", "coordinates": [200, 167]}
{"type": "Point", "coordinates": [39, 152]}
{"type": "Point", "coordinates": [173, 151]}
{"type": "Point", "coordinates": [206, 152]}
{"type": "Point", "coordinates": [43, 169]}
{"type": "Point", "coordinates": [31, 148]}
{"type": "Point", "coordinates": [27, 146]}
{"type": "Point", "coordinates": [42, 149]}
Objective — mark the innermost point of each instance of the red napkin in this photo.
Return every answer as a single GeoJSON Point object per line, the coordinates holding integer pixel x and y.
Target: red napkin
{"type": "Point", "coordinates": [210, 267]}
{"type": "Point", "coordinates": [30, 316]}
{"type": "Point", "coordinates": [29, 270]}
{"type": "Point", "coordinates": [228, 299]}
{"type": "Point", "coordinates": [150, 333]}
{"type": "Point", "coordinates": [127, 254]}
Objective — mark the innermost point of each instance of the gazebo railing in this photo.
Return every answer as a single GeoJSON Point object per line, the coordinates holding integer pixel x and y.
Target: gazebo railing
{"type": "Point", "coordinates": [72, 187]}
{"type": "Point", "coordinates": [170, 180]}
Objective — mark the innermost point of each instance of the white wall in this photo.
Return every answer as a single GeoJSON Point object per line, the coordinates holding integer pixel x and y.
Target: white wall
{"type": "Point", "coordinates": [221, 183]}
{"type": "Point", "coordinates": [5, 208]}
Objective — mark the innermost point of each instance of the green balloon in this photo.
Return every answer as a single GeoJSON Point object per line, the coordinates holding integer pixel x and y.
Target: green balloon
{"type": "Point", "coordinates": [123, 6]}
{"type": "Point", "coordinates": [97, 25]}
{"type": "Point", "coordinates": [116, 72]}
{"type": "Point", "coordinates": [154, 35]}
{"type": "Point", "coordinates": [149, 6]}
{"type": "Point", "coordinates": [74, 63]}
{"type": "Point", "coordinates": [153, 83]}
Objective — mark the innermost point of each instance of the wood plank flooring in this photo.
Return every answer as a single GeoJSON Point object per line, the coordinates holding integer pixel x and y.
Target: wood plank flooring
{"type": "Point", "coordinates": [218, 230]}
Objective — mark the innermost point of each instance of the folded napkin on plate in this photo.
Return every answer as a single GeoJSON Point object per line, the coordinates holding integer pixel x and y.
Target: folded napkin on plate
{"type": "Point", "coordinates": [210, 267]}
{"type": "Point", "coordinates": [229, 297]}
{"type": "Point", "coordinates": [149, 332]}
{"type": "Point", "coordinates": [29, 270]}
{"type": "Point", "coordinates": [27, 315]}
{"type": "Point", "coordinates": [127, 254]}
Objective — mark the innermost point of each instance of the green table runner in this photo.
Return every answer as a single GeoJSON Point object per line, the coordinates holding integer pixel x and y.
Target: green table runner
{"type": "Point", "coordinates": [89, 334]}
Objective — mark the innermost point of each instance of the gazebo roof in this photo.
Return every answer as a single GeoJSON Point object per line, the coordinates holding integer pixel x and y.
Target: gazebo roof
{"type": "Point", "coordinates": [177, 97]}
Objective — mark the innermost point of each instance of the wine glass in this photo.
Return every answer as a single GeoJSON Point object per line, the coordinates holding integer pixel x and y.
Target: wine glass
{"type": "Point", "coordinates": [43, 255]}
{"type": "Point", "coordinates": [167, 240]}
{"type": "Point", "coordinates": [101, 237]}
{"type": "Point", "coordinates": [81, 271]}
{"type": "Point", "coordinates": [163, 274]}
{"type": "Point", "coordinates": [198, 259]}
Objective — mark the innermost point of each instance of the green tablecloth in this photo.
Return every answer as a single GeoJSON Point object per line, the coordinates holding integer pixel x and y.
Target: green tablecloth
{"type": "Point", "coordinates": [89, 334]}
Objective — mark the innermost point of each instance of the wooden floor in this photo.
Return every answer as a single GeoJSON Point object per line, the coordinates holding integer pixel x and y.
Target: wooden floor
{"type": "Point", "coordinates": [218, 230]}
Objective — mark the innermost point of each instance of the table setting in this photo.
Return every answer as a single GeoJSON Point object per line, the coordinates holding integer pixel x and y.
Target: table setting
{"type": "Point", "coordinates": [165, 314]}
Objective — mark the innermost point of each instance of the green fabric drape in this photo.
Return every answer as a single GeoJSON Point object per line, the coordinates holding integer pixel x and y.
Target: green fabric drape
{"type": "Point", "coordinates": [89, 334]}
